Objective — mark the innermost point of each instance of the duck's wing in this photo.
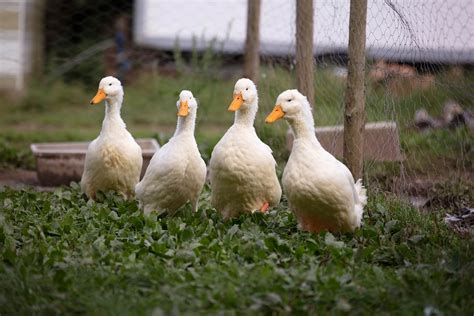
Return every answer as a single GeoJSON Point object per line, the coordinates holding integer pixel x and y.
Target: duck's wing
{"type": "Point", "coordinates": [164, 171]}
{"type": "Point", "coordinates": [265, 149]}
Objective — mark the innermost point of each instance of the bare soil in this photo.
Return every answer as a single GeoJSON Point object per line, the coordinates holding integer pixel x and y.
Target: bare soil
{"type": "Point", "coordinates": [20, 178]}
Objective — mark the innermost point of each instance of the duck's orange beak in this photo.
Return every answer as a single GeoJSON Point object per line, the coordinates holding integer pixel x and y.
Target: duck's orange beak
{"type": "Point", "coordinates": [99, 96]}
{"type": "Point", "coordinates": [183, 108]}
{"type": "Point", "coordinates": [275, 115]}
{"type": "Point", "coordinates": [236, 102]}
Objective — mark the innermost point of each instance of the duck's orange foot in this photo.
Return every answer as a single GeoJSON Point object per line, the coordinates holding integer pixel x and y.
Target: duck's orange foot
{"type": "Point", "coordinates": [264, 207]}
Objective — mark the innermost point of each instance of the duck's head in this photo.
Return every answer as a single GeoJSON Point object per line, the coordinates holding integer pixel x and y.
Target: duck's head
{"type": "Point", "coordinates": [245, 94]}
{"type": "Point", "coordinates": [290, 105]}
{"type": "Point", "coordinates": [186, 103]}
{"type": "Point", "coordinates": [109, 88]}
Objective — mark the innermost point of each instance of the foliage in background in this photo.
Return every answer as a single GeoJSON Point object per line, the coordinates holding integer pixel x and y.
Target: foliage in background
{"type": "Point", "coordinates": [12, 157]}
{"type": "Point", "coordinates": [62, 254]}
{"type": "Point", "coordinates": [439, 152]}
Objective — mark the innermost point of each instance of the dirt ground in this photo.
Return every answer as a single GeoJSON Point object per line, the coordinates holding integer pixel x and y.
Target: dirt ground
{"type": "Point", "coordinates": [20, 178]}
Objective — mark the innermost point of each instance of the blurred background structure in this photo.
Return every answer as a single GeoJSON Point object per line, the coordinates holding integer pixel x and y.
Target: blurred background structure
{"type": "Point", "coordinates": [419, 77]}
{"type": "Point", "coordinates": [21, 42]}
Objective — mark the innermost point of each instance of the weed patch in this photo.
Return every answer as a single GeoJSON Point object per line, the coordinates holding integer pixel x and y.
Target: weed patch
{"type": "Point", "coordinates": [62, 254]}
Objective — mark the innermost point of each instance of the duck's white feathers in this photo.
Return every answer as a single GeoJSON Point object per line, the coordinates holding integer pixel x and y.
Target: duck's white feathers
{"type": "Point", "coordinates": [113, 162]}
{"type": "Point", "coordinates": [361, 200]}
{"type": "Point", "coordinates": [176, 175]}
{"type": "Point", "coordinates": [177, 172]}
{"type": "Point", "coordinates": [114, 159]}
{"type": "Point", "coordinates": [242, 173]}
{"type": "Point", "coordinates": [321, 190]}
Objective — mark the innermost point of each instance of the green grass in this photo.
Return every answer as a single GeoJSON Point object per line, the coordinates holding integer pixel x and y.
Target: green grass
{"type": "Point", "coordinates": [440, 152]}
{"type": "Point", "coordinates": [60, 112]}
{"type": "Point", "coordinates": [14, 157]}
{"type": "Point", "coordinates": [63, 255]}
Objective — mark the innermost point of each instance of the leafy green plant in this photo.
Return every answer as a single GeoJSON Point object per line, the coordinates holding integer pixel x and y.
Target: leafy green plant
{"type": "Point", "coordinates": [11, 157]}
{"type": "Point", "coordinates": [62, 254]}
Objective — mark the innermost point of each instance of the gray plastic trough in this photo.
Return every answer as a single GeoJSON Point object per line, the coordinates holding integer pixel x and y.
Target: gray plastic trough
{"type": "Point", "coordinates": [61, 163]}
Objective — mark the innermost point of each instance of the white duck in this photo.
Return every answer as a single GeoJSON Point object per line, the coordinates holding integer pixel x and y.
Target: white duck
{"type": "Point", "coordinates": [113, 160]}
{"type": "Point", "coordinates": [177, 172]}
{"type": "Point", "coordinates": [242, 168]}
{"type": "Point", "coordinates": [320, 189]}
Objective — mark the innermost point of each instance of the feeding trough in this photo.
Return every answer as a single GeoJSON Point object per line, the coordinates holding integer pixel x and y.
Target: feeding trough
{"type": "Point", "coordinates": [61, 163]}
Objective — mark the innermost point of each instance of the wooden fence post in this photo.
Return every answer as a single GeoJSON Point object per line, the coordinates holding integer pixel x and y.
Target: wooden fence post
{"type": "Point", "coordinates": [354, 114]}
{"type": "Point", "coordinates": [304, 49]}
{"type": "Point", "coordinates": [252, 41]}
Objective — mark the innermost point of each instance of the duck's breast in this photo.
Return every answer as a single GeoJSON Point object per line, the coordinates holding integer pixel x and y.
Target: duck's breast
{"type": "Point", "coordinates": [175, 175]}
{"type": "Point", "coordinates": [242, 170]}
{"type": "Point", "coordinates": [122, 155]}
{"type": "Point", "coordinates": [196, 170]}
{"type": "Point", "coordinates": [113, 164]}
{"type": "Point", "coordinates": [317, 185]}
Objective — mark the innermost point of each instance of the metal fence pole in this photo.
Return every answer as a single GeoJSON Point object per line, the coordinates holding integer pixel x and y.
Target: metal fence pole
{"type": "Point", "coordinates": [354, 114]}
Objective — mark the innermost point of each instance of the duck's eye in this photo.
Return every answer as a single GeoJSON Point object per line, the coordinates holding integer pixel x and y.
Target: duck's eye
{"type": "Point", "coordinates": [289, 100]}
{"type": "Point", "coordinates": [246, 88]}
{"type": "Point", "coordinates": [110, 84]}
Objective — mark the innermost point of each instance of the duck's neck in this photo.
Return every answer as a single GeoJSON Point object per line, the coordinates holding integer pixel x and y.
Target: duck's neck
{"type": "Point", "coordinates": [112, 119]}
{"type": "Point", "coordinates": [246, 116]}
{"type": "Point", "coordinates": [186, 124]}
{"type": "Point", "coordinates": [303, 128]}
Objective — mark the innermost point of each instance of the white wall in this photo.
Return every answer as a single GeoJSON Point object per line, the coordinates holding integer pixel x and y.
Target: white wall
{"type": "Point", "coordinates": [442, 30]}
{"type": "Point", "coordinates": [16, 43]}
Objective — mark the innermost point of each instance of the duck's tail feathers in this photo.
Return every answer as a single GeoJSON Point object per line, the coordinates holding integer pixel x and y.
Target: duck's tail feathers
{"type": "Point", "coordinates": [361, 192]}
{"type": "Point", "coordinates": [362, 195]}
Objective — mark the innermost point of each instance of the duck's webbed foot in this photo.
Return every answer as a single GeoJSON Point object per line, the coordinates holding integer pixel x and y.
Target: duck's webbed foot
{"type": "Point", "coordinates": [265, 207]}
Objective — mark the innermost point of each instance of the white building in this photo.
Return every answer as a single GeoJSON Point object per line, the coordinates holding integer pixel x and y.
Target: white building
{"type": "Point", "coordinates": [438, 31]}
{"type": "Point", "coordinates": [20, 42]}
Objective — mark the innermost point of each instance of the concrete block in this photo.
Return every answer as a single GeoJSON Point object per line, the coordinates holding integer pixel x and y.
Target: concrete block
{"type": "Point", "coordinates": [381, 141]}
